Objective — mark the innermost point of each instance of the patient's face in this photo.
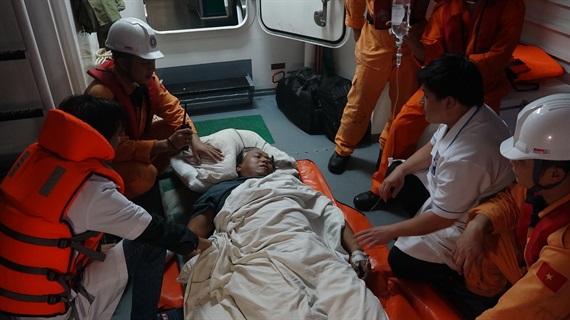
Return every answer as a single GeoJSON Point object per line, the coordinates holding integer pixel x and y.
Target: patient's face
{"type": "Point", "coordinates": [255, 163]}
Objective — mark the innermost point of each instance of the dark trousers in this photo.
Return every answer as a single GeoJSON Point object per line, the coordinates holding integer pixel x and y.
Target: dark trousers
{"type": "Point", "coordinates": [411, 198]}
{"type": "Point", "coordinates": [452, 285]}
{"type": "Point", "coordinates": [413, 194]}
{"type": "Point", "coordinates": [145, 266]}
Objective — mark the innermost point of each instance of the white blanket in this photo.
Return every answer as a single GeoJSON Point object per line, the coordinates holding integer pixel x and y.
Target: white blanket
{"type": "Point", "coordinates": [277, 254]}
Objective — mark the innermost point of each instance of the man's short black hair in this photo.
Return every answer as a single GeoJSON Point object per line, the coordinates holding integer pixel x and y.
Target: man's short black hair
{"type": "Point", "coordinates": [104, 115]}
{"type": "Point", "coordinates": [241, 155]}
{"type": "Point", "coordinates": [453, 75]}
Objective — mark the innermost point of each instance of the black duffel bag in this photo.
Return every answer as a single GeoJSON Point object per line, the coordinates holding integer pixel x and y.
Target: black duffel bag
{"type": "Point", "coordinates": [332, 96]}
{"type": "Point", "coordinates": [296, 96]}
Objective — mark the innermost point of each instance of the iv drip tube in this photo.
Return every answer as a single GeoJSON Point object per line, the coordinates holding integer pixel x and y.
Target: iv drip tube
{"type": "Point", "coordinates": [398, 54]}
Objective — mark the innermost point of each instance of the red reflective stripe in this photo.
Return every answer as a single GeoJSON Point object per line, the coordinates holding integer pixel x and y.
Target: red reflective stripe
{"type": "Point", "coordinates": [551, 222]}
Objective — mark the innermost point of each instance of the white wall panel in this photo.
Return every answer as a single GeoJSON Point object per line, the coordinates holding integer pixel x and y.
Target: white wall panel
{"type": "Point", "coordinates": [547, 25]}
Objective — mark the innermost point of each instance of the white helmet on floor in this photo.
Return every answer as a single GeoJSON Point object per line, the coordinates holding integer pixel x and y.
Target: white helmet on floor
{"type": "Point", "coordinates": [542, 131]}
{"type": "Point", "coordinates": [134, 36]}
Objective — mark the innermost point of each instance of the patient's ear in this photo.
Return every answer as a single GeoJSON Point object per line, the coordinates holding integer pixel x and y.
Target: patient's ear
{"type": "Point", "coordinates": [238, 169]}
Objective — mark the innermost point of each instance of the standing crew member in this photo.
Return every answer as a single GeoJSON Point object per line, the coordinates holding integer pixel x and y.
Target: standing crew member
{"type": "Point", "coordinates": [375, 54]}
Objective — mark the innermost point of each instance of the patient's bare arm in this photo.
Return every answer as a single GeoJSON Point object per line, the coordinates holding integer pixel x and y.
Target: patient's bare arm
{"type": "Point", "coordinates": [358, 259]}
{"type": "Point", "coordinates": [203, 224]}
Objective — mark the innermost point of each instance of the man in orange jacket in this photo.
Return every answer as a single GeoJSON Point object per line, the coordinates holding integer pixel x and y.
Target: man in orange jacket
{"type": "Point", "coordinates": [375, 54]}
{"type": "Point", "coordinates": [487, 32]}
{"type": "Point", "coordinates": [497, 241]}
{"type": "Point", "coordinates": [129, 78]}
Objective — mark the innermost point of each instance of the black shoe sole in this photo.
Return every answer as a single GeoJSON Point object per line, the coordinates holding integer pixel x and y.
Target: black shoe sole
{"type": "Point", "coordinates": [337, 164]}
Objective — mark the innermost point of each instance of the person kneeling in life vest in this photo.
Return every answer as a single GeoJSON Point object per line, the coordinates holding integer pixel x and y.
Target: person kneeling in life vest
{"type": "Point", "coordinates": [55, 203]}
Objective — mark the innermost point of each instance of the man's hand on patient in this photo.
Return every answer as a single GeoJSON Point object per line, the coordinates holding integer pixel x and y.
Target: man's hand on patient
{"type": "Point", "coordinates": [201, 150]}
{"type": "Point", "coordinates": [374, 236]}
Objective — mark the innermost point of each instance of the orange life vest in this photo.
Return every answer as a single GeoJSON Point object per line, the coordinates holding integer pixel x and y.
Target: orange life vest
{"type": "Point", "coordinates": [104, 74]}
{"type": "Point", "coordinates": [41, 259]}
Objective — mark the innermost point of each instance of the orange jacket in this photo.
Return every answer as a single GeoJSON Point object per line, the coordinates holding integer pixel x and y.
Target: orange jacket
{"type": "Point", "coordinates": [112, 83]}
{"type": "Point", "coordinates": [503, 39]}
{"type": "Point", "coordinates": [370, 52]}
{"type": "Point", "coordinates": [541, 293]}
{"type": "Point", "coordinates": [41, 256]}
{"type": "Point", "coordinates": [381, 11]}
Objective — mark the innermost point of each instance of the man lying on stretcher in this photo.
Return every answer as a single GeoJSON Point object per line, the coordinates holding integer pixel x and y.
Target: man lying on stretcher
{"type": "Point", "coordinates": [255, 163]}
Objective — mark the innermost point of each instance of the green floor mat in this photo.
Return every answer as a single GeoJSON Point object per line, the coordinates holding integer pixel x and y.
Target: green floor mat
{"type": "Point", "coordinates": [254, 123]}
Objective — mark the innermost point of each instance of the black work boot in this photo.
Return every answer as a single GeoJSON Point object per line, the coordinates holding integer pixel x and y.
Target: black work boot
{"type": "Point", "coordinates": [367, 201]}
{"type": "Point", "coordinates": [337, 163]}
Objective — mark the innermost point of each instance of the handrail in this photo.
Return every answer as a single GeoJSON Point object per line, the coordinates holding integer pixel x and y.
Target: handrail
{"type": "Point", "coordinates": [33, 53]}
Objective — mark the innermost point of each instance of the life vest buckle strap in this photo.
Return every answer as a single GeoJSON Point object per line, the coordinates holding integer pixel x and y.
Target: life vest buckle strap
{"type": "Point", "coordinates": [93, 254]}
{"type": "Point", "coordinates": [60, 243]}
{"type": "Point", "coordinates": [52, 275]}
{"type": "Point", "coordinates": [54, 299]}
{"type": "Point", "coordinates": [48, 298]}
{"type": "Point", "coordinates": [84, 236]}
{"type": "Point", "coordinates": [63, 243]}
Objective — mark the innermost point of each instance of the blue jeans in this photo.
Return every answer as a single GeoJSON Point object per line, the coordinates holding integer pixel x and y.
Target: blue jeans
{"type": "Point", "coordinates": [145, 266]}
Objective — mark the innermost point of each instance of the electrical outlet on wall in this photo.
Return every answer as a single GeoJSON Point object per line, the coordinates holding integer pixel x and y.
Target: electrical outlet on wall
{"type": "Point", "coordinates": [278, 71]}
{"type": "Point", "coordinates": [277, 66]}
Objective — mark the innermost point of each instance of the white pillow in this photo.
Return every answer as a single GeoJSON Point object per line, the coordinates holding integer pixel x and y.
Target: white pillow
{"type": "Point", "coordinates": [231, 141]}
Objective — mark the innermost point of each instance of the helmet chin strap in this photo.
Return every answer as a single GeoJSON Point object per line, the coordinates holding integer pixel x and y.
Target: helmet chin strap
{"type": "Point", "coordinates": [536, 171]}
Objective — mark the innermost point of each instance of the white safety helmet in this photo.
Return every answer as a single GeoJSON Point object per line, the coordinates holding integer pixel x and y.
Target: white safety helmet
{"type": "Point", "coordinates": [542, 131]}
{"type": "Point", "coordinates": [134, 36]}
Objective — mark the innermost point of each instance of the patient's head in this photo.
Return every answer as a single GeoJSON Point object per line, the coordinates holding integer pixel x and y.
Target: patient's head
{"type": "Point", "coordinates": [254, 162]}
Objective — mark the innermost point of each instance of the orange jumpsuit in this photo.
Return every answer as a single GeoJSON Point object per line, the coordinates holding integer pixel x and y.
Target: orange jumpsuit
{"type": "Point", "coordinates": [541, 293]}
{"type": "Point", "coordinates": [375, 54]}
{"type": "Point", "coordinates": [133, 159]}
{"type": "Point", "coordinates": [410, 122]}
